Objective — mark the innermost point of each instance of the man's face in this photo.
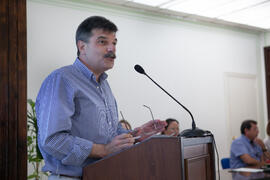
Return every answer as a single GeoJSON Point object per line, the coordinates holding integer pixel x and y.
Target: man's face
{"type": "Point", "coordinates": [99, 53]}
{"type": "Point", "coordinates": [253, 132]}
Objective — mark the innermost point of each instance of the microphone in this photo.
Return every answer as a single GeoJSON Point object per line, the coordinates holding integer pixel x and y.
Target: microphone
{"type": "Point", "coordinates": [188, 133]}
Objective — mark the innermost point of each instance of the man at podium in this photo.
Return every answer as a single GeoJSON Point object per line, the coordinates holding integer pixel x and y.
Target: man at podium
{"type": "Point", "coordinates": [76, 110]}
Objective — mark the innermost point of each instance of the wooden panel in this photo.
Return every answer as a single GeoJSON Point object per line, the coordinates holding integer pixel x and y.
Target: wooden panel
{"type": "Point", "coordinates": [198, 168]}
{"type": "Point", "coordinates": [4, 89]}
{"type": "Point", "coordinates": [267, 77]}
{"type": "Point", "coordinates": [199, 158]}
{"type": "Point", "coordinates": [13, 130]}
{"type": "Point", "coordinates": [211, 152]}
{"type": "Point", "coordinates": [155, 159]}
{"type": "Point", "coordinates": [22, 90]}
{"type": "Point", "coordinates": [196, 150]}
{"type": "Point", "coordinates": [13, 90]}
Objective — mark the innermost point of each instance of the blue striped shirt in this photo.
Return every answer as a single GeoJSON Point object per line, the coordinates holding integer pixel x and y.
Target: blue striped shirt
{"type": "Point", "coordinates": [73, 112]}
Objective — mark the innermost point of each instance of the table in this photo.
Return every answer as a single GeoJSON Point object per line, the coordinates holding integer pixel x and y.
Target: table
{"type": "Point", "coordinates": [227, 175]}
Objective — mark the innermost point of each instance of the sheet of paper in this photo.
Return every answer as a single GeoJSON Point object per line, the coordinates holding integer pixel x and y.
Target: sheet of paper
{"type": "Point", "coordinates": [247, 170]}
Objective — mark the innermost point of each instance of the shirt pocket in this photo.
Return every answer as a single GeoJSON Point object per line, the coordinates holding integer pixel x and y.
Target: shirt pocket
{"type": "Point", "coordinates": [106, 123]}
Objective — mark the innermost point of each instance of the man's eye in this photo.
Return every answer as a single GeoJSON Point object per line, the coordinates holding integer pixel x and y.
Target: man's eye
{"type": "Point", "coordinates": [102, 42]}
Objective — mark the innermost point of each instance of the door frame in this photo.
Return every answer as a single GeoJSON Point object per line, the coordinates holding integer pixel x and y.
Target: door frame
{"type": "Point", "coordinates": [267, 78]}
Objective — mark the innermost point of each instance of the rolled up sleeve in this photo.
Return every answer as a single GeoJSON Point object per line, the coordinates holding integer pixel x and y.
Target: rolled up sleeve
{"type": "Point", "coordinates": [238, 148]}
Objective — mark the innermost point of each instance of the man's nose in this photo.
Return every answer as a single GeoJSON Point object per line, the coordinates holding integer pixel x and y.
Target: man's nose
{"type": "Point", "coordinates": [111, 48]}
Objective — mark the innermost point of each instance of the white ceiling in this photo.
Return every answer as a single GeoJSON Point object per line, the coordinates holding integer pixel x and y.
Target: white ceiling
{"type": "Point", "coordinates": [250, 14]}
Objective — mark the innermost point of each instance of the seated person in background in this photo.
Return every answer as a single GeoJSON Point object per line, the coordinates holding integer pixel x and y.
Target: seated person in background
{"type": "Point", "coordinates": [267, 139]}
{"type": "Point", "coordinates": [172, 128]}
{"type": "Point", "coordinates": [125, 124]}
{"type": "Point", "coordinates": [244, 150]}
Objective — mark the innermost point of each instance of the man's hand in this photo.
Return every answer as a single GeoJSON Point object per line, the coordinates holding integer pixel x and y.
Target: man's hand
{"type": "Point", "coordinates": [150, 128]}
{"type": "Point", "coordinates": [260, 143]}
{"type": "Point", "coordinates": [118, 143]}
{"type": "Point", "coordinates": [266, 154]}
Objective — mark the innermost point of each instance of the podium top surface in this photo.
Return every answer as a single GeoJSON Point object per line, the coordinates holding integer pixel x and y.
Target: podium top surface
{"type": "Point", "coordinates": [196, 141]}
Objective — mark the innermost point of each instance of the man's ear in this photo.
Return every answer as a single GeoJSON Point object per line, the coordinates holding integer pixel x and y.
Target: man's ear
{"type": "Point", "coordinates": [245, 131]}
{"type": "Point", "coordinates": [81, 47]}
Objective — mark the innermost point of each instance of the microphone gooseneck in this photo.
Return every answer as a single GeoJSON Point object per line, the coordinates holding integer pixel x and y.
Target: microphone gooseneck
{"type": "Point", "coordinates": [194, 132]}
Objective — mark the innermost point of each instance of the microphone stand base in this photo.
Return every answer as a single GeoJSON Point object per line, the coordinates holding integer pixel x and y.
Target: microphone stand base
{"type": "Point", "coordinates": [189, 133]}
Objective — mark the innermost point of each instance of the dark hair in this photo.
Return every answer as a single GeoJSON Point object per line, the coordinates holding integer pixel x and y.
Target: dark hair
{"type": "Point", "coordinates": [126, 124]}
{"type": "Point", "coordinates": [246, 125]}
{"type": "Point", "coordinates": [84, 30]}
{"type": "Point", "coordinates": [169, 121]}
{"type": "Point", "coordinates": [268, 128]}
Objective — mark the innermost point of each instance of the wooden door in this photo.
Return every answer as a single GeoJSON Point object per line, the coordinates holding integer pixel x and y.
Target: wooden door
{"type": "Point", "coordinates": [267, 77]}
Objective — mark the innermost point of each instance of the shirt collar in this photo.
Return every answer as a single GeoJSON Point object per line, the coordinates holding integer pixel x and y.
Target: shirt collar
{"type": "Point", "coordinates": [87, 72]}
{"type": "Point", "coordinates": [246, 139]}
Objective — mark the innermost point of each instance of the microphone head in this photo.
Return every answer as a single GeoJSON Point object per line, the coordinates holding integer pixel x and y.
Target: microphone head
{"type": "Point", "coordinates": [139, 69]}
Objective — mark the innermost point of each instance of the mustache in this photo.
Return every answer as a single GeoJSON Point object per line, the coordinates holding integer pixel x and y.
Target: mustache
{"type": "Point", "coordinates": [110, 55]}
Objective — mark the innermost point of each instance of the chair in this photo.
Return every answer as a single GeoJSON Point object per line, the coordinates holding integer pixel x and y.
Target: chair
{"type": "Point", "coordinates": [225, 163]}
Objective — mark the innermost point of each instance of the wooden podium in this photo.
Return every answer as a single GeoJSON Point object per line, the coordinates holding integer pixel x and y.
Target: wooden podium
{"type": "Point", "coordinates": [158, 158]}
